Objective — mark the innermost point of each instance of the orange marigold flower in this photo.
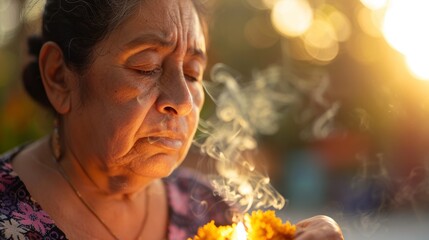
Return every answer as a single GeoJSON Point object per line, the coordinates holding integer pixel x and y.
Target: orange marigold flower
{"type": "Point", "coordinates": [266, 226]}
{"type": "Point", "coordinates": [259, 226]}
{"type": "Point", "coordinates": [211, 232]}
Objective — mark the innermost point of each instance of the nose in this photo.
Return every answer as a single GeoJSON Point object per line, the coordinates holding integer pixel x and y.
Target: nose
{"type": "Point", "coordinates": [175, 97]}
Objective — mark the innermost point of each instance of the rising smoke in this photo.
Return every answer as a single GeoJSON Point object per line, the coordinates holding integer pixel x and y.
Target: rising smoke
{"type": "Point", "coordinates": [245, 109]}
{"type": "Point", "coordinates": [229, 135]}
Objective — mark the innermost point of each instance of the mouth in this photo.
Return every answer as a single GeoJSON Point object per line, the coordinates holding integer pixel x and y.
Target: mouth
{"type": "Point", "coordinates": [164, 142]}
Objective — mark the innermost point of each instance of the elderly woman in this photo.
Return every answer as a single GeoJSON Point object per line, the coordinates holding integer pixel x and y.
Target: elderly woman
{"type": "Point", "coordinates": [124, 79]}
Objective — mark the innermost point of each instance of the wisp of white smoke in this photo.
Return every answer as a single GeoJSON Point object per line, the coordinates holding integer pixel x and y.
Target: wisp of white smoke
{"type": "Point", "coordinates": [242, 111]}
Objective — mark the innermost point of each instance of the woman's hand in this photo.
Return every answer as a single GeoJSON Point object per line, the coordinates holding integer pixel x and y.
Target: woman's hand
{"type": "Point", "coordinates": [318, 228]}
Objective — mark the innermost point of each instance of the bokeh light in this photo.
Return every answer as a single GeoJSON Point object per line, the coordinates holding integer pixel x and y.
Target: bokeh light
{"type": "Point", "coordinates": [365, 55]}
{"type": "Point", "coordinates": [321, 34]}
{"type": "Point", "coordinates": [324, 55]}
{"type": "Point", "coordinates": [291, 18]}
{"type": "Point", "coordinates": [418, 65]}
{"type": "Point", "coordinates": [269, 3]}
{"type": "Point", "coordinates": [405, 25]}
{"type": "Point", "coordinates": [405, 29]}
{"type": "Point", "coordinates": [370, 21]}
{"type": "Point", "coordinates": [341, 25]}
{"type": "Point", "coordinates": [374, 4]}
{"type": "Point", "coordinates": [322, 38]}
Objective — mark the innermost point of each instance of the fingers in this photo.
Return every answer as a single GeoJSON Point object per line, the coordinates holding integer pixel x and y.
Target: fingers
{"type": "Point", "coordinates": [318, 228]}
{"type": "Point", "coordinates": [317, 236]}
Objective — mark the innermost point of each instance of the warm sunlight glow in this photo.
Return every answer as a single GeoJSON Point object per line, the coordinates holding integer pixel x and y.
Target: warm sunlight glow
{"type": "Point", "coordinates": [321, 34]}
{"type": "Point", "coordinates": [362, 50]}
{"type": "Point", "coordinates": [341, 25]}
{"type": "Point", "coordinates": [419, 66]}
{"type": "Point", "coordinates": [269, 3]}
{"type": "Point", "coordinates": [321, 41]}
{"type": "Point", "coordinates": [240, 232]}
{"type": "Point", "coordinates": [405, 29]}
{"type": "Point", "coordinates": [323, 55]}
{"type": "Point", "coordinates": [292, 18]}
{"type": "Point", "coordinates": [405, 25]}
{"type": "Point", "coordinates": [370, 21]}
{"type": "Point", "coordinates": [374, 4]}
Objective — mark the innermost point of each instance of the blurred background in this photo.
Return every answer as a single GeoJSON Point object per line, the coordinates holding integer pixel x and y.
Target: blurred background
{"type": "Point", "coordinates": [354, 143]}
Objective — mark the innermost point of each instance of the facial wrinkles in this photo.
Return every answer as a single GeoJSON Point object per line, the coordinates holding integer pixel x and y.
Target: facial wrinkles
{"type": "Point", "coordinates": [181, 20]}
{"type": "Point", "coordinates": [178, 21]}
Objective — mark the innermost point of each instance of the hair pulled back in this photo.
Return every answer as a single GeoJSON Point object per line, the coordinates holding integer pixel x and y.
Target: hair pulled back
{"type": "Point", "coordinates": [76, 26]}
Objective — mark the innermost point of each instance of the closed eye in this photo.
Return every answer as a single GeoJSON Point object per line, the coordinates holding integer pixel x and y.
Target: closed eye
{"type": "Point", "coordinates": [150, 72]}
{"type": "Point", "coordinates": [191, 78]}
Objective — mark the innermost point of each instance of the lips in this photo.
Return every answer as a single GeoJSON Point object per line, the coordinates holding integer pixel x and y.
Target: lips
{"type": "Point", "coordinates": [165, 142]}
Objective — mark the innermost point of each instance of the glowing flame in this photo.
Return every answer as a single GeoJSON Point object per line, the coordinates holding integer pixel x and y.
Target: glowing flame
{"type": "Point", "coordinates": [240, 232]}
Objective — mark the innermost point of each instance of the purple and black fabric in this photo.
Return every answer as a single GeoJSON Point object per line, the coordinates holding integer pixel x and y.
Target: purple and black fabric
{"type": "Point", "coordinates": [191, 204]}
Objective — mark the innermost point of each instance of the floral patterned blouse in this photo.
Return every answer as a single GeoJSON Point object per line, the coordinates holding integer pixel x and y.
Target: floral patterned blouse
{"type": "Point", "coordinates": [191, 204]}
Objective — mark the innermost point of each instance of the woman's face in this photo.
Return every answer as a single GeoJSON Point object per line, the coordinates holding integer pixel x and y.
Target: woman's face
{"type": "Point", "coordinates": [138, 106]}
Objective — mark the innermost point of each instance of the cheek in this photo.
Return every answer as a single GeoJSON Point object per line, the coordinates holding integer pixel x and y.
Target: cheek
{"type": "Point", "coordinates": [120, 115]}
{"type": "Point", "coordinates": [197, 92]}
{"type": "Point", "coordinates": [198, 101]}
{"type": "Point", "coordinates": [117, 132]}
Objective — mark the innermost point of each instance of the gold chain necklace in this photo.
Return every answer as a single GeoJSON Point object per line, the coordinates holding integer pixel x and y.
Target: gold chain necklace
{"type": "Point", "coordinates": [88, 206]}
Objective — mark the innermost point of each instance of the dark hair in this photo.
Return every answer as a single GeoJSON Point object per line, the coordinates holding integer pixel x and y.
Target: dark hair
{"type": "Point", "coordinates": [76, 26]}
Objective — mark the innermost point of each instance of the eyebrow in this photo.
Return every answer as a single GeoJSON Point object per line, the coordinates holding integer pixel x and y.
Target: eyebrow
{"type": "Point", "coordinates": [149, 39]}
{"type": "Point", "coordinates": [160, 40]}
{"type": "Point", "coordinates": [199, 54]}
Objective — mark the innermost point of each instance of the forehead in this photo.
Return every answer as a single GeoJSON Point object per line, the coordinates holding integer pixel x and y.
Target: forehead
{"type": "Point", "coordinates": [169, 22]}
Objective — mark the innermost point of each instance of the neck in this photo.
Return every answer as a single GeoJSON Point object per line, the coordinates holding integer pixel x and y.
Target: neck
{"type": "Point", "coordinates": [98, 182]}
{"type": "Point", "coordinates": [119, 211]}
{"type": "Point", "coordinates": [103, 184]}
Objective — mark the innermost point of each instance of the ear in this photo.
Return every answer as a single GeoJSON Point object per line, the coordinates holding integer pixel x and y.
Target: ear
{"type": "Point", "coordinates": [53, 71]}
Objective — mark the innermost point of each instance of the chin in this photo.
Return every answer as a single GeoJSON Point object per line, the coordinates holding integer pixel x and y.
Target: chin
{"type": "Point", "coordinates": [157, 166]}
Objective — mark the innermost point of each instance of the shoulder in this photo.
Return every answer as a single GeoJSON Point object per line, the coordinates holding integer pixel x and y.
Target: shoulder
{"type": "Point", "coordinates": [192, 202]}
{"type": "Point", "coordinates": [21, 217]}
{"type": "Point", "coordinates": [9, 180]}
